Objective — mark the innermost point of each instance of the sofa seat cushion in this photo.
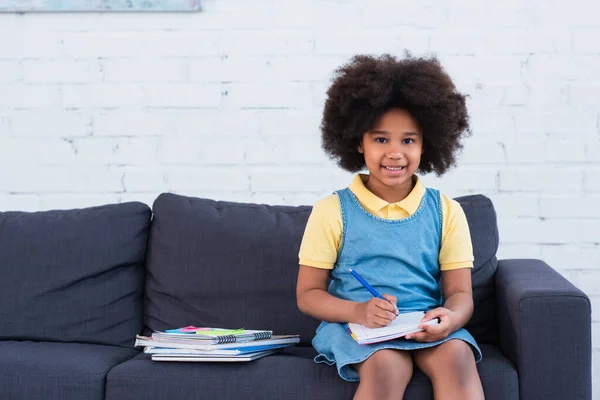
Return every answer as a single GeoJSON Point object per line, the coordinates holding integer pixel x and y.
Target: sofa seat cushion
{"type": "Point", "coordinates": [289, 375]}
{"type": "Point", "coordinates": [45, 370]}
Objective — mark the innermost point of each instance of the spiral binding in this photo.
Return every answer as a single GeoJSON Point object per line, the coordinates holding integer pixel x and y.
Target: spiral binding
{"type": "Point", "coordinates": [232, 338]}
{"type": "Point", "coordinates": [262, 335]}
{"type": "Point", "coordinates": [226, 339]}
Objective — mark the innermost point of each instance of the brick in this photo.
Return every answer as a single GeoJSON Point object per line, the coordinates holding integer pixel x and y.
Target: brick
{"type": "Point", "coordinates": [525, 149]}
{"type": "Point", "coordinates": [104, 44]}
{"type": "Point", "coordinates": [350, 43]}
{"type": "Point", "coordinates": [132, 123]}
{"type": "Point", "coordinates": [39, 71]}
{"type": "Point", "coordinates": [182, 95]}
{"type": "Point", "coordinates": [591, 178]}
{"type": "Point", "coordinates": [592, 151]}
{"type": "Point", "coordinates": [145, 180]}
{"type": "Point", "coordinates": [266, 43]}
{"type": "Point", "coordinates": [48, 123]}
{"type": "Point", "coordinates": [31, 45]}
{"type": "Point", "coordinates": [479, 16]}
{"type": "Point", "coordinates": [560, 67]}
{"type": "Point", "coordinates": [73, 201]}
{"type": "Point", "coordinates": [570, 207]}
{"type": "Point", "coordinates": [516, 205]}
{"type": "Point", "coordinates": [143, 197]}
{"type": "Point", "coordinates": [116, 151]}
{"type": "Point", "coordinates": [385, 17]}
{"type": "Point", "coordinates": [143, 70]}
{"type": "Point", "coordinates": [211, 123]}
{"type": "Point", "coordinates": [63, 180]}
{"type": "Point", "coordinates": [533, 230]}
{"type": "Point", "coordinates": [459, 42]}
{"type": "Point", "coordinates": [289, 95]}
{"type": "Point", "coordinates": [219, 150]}
{"type": "Point", "coordinates": [25, 152]}
{"type": "Point", "coordinates": [227, 69]}
{"type": "Point", "coordinates": [585, 40]}
{"type": "Point", "coordinates": [287, 179]}
{"type": "Point", "coordinates": [516, 95]}
{"type": "Point", "coordinates": [541, 180]}
{"type": "Point", "coordinates": [289, 122]}
{"type": "Point", "coordinates": [514, 250]}
{"type": "Point", "coordinates": [101, 96]}
{"type": "Point", "coordinates": [564, 149]}
{"type": "Point", "coordinates": [10, 71]}
{"type": "Point", "coordinates": [557, 120]}
{"type": "Point", "coordinates": [589, 232]}
{"type": "Point", "coordinates": [28, 96]}
{"type": "Point", "coordinates": [481, 151]}
{"type": "Point", "coordinates": [221, 179]}
{"type": "Point", "coordinates": [291, 151]}
{"type": "Point", "coordinates": [303, 68]}
{"type": "Point", "coordinates": [522, 41]}
{"type": "Point", "coordinates": [572, 256]}
{"type": "Point", "coordinates": [462, 180]}
{"type": "Point", "coordinates": [584, 96]}
{"type": "Point", "coordinates": [542, 95]}
{"type": "Point", "coordinates": [4, 125]}
{"type": "Point", "coordinates": [567, 15]}
{"type": "Point", "coordinates": [19, 202]}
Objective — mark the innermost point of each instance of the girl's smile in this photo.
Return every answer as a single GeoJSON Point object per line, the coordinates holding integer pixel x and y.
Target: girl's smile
{"type": "Point", "coordinates": [392, 151]}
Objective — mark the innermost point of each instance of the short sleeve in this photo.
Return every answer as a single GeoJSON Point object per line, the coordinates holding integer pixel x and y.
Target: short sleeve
{"type": "Point", "coordinates": [322, 235]}
{"type": "Point", "coordinates": [457, 250]}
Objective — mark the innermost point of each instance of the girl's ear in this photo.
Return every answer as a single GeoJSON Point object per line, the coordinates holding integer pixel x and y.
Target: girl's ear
{"type": "Point", "coordinates": [360, 148]}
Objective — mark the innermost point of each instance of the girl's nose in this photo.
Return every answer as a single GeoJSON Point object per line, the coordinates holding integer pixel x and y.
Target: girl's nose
{"type": "Point", "coordinates": [395, 153]}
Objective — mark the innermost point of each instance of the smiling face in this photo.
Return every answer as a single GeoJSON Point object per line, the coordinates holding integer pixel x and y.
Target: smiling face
{"type": "Point", "coordinates": [392, 151]}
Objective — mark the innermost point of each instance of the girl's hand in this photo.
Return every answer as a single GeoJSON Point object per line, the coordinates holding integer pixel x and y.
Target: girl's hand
{"type": "Point", "coordinates": [376, 313]}
{"type": "Point", "coordinates": [433, 333]}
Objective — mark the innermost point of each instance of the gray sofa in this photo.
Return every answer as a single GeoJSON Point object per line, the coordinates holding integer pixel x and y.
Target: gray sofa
{"type": "Point", "coordinates": [76, 287]}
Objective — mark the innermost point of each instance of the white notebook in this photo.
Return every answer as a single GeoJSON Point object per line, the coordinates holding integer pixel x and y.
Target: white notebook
{"type": "Point", "coordinates": [207, 358]}
{"type": "Point", "coordinates": [403, 325]}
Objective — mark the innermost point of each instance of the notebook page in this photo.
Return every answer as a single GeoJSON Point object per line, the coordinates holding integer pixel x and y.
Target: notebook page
{"type": "Point", "coordinates": [403, 322]}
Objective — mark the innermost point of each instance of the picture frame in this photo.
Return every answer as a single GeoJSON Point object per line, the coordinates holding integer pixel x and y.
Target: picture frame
{"type": "Point", "coordinates": [23, 6]}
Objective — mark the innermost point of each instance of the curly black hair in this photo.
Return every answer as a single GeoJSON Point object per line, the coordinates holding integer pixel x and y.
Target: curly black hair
{"type": "Point", "coordinates": [367, 86]}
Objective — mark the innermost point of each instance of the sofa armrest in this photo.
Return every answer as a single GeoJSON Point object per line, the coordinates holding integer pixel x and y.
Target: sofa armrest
{"type": "Point", "coordinates": [545, 330]}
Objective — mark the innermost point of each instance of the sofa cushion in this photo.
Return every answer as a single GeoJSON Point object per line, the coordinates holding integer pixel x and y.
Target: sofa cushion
{"type": "Point", "coordinates": [289, 375]}
{"type": "Point", "coordinates": [213, 263]}
{"type": "Point", "coordinates": [483, 226]}
{"type": "Point", "coordinates": [43, 370]}
{"type": "Point", "coordinates": [73, 275]}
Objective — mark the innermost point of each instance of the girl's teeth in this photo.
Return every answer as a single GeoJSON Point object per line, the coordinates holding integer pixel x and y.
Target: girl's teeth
{"type": "Point", "coordinates": [394, 169]}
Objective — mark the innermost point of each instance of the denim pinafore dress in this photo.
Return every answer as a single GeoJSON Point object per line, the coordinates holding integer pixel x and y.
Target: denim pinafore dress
{"type": "Point", "coordinates": [397, 257]}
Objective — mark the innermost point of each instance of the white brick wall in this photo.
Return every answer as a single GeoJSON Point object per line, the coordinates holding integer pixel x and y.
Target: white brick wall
{"type": "Point", "coordinates": [98, 108]}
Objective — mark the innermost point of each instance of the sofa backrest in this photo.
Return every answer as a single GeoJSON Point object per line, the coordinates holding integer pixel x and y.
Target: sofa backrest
{"type": "Point", "coordinates": [483, 226]}
{"type": "Point", "coordinates": [73, 275]}
{"type": "Point", "coordinates": [224, 264]}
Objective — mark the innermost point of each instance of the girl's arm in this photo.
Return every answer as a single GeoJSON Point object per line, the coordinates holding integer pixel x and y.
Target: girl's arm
{"type": "Point", "coordinates": [457, 309]}
{"type": "Point", "coordinates": [458, 293]}
{"type": "Point", "coordinates": [314, 300]}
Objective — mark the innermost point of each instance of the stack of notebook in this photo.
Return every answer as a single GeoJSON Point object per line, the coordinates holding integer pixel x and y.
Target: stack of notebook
{"type": "Point", "coordinates": [213, 344]}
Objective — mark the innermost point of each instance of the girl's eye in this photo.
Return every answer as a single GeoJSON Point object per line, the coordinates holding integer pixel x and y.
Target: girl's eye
{"type": "Point", "coordinates": [380, 140]}
{"type": "Point", "coordinates": [408, 141]}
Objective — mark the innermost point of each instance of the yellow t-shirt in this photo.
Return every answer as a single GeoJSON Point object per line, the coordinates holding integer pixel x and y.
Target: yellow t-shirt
{"type": "Point", "coordinates": [323, 233]}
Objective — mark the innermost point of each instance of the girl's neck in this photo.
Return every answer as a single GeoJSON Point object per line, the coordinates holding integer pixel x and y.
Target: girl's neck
{"type": "Point", "coordinates": [390, 195]}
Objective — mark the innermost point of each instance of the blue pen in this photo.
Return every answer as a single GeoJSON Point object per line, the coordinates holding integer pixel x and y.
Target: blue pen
{"type": "Point", "coordinates": [366, 285]}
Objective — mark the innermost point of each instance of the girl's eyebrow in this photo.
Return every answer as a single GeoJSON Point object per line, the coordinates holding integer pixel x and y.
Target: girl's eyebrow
{"type": "Point", "coordinates": [379, 131]}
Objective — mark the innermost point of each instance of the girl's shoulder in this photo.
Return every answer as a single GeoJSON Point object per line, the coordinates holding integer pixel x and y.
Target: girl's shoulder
{"type": "Point", "coordinates": [328, 206]}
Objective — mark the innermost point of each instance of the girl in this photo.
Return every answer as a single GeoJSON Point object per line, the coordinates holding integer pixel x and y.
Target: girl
{"type": "Point", "coordinates": [394, 117]}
